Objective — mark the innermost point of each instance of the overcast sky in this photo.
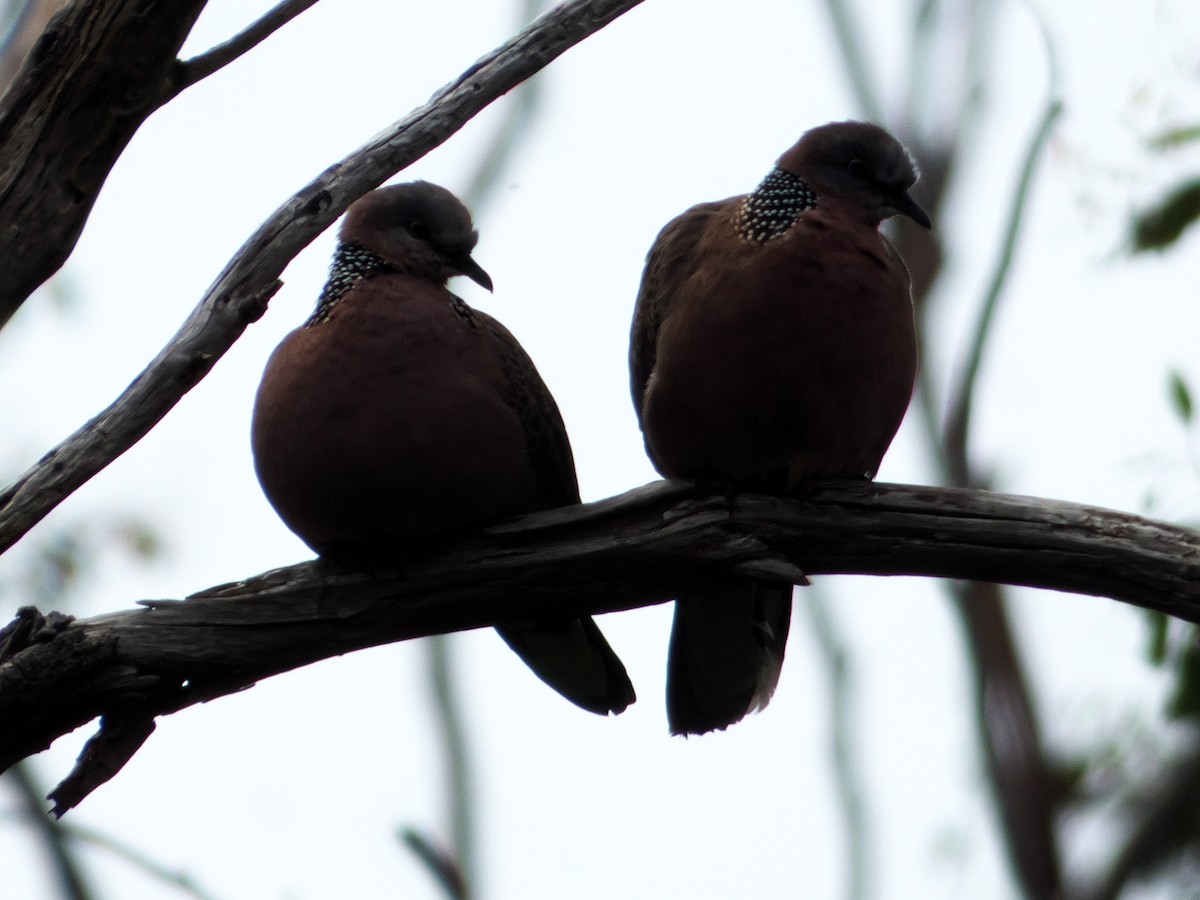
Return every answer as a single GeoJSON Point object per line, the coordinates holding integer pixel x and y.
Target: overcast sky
{"type": "Point", "coordinates": [294, 789]}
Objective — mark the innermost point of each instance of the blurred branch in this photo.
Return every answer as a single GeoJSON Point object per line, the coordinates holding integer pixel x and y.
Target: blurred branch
{"type": "Point", "coordinates": [185, 74]}
{"type": "Point", "coordinates": [641, 548]}
{"type": "Point", "coordinates": [1022, 785]}
{"type": "Point", "coordinates": [458, 760]}
{"type": "Point", "coordinates": [441, 866]}
{"type": "Point", "coordinates": [241, 291]}
{"type": "Point", "coordinates": [1026, 794]}
{"type": "Point", "coordinates": [53, 834]}
{"type": "Point", "coordinates": [959, 418]}
{"type": "Point", "coordinates": [174, 878]}
{"type": "Point", "coordinates": [457, 875]}
{"type": "Point", "coordinates": [523, 105]}
{"type": "Point", "coordinates": [855, 59]}
{"type": "Point", "coordinates": [849, 779]}
{"type": "Point", "coordinates": [1152, 823]}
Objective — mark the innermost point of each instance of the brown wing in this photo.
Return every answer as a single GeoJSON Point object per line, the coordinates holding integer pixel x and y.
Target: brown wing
{"type": "Point", "coordinates": [570, 655]}
{"type": "Point", "coordinates": [669, 261]}
{"type": "Point", "coordinates": [545, 434]}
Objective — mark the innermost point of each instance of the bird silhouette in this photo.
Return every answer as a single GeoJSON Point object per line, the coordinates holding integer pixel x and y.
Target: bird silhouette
{"type": "Point", "coordinates": [397, 414]}
{"type": "Point", "coordinates": [773, 343]}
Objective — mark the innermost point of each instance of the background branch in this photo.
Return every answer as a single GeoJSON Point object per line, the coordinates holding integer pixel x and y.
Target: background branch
{"type": "Point", "coordinates": [54, 835]}
{"type": "Point", "coordinates": [240, 293]}
{"type": "Point", "coordinates": [637, 549]}
{"type": "Point", "coordinates": [958, 421]}
{"type": "Point", "coordinates": [843, 716]}
{"type": "Point", "coordinates": [458, 873]}
{"type": "Point", "coordinates": [187, 73]}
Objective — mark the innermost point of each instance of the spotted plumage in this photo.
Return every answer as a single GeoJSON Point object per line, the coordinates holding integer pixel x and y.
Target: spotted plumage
{"type": "Point", "coordinates": [351, 264]}
{"type": "Point", "coordinates": [772, 344]}
{"type": "Point", "coordinates": [773, 208]}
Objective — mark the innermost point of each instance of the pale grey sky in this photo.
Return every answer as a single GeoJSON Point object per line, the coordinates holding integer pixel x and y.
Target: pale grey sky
{"type": "Point", "coordinates": [294, 789]}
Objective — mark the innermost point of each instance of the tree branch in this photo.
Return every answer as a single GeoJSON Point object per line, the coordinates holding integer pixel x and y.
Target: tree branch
{"type": "Point", "coordinates": [54, 836]}
{"type": "Point", "coordinates": [241, 291]}
{"type": "Point", "coordinates": [959, 418]}
{"type": "Point", "coordinates": [95, 74]}
{"type": "Point", "coordinates": [185, 74]}
{"type": "Point", "coordinates": [640, 548]}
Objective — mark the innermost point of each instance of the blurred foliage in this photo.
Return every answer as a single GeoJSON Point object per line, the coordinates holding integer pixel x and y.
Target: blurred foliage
{"type": "Point", "coordinates": [1171, 138]}
{"type": "Point", "coordinates": [1159, 625]}
{"type": "Point", "coordinates": [1162, 224]}
{"type": "Point", "coordinates": [53, 566]}
{"type": "Point", "coordinates": [1184, 701]}
{"type": "Point", "coordinates": [1181, 396]}
{"type": "Point", "coordinates": [1171, 642]}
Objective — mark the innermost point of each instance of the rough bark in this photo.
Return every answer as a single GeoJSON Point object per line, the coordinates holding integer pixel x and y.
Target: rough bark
{"type": "Point", "coordinates": [637, 549]}
{"type": "Point", "coordinates": [95, 74]}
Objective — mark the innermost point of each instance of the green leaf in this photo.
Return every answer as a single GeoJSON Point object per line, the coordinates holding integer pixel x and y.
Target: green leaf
{"type": "Point", "coordinates": [1161, 225]}
{"type": "Point", "coordinates": [1181, 397]}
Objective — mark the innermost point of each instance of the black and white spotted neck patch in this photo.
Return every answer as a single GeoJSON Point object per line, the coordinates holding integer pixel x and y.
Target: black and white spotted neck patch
{"type": "Point", "coordinates": [351, 264]}
{"type": "Point", "coordinates": [774, 206]}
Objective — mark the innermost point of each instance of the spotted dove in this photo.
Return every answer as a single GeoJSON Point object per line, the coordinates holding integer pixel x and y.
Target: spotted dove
{"type": "Point", "coordinates": [397, 413]}
{"type": "Point", "coordinates": [773, 344]}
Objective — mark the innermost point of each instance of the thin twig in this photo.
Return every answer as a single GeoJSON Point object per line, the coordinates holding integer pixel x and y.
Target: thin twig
{"type": "Point", "coordinates": [496, 158]}
{"type": "Point", "coordinates": [240, 293]}
{"type": "Point", "coordinates": [199, 67]}
{"type": "Point", "coordinates": [456, 753]}
{"type": "Point", "coordinates": [1151, 822]}
{"type": "Point", "coordinates": [174, 878]}
{"type": "Point", "coordinates": [523, 105]}
{"type": "Point", "coordinates": [53, 834]}
{"type": "Point", "coordinates": [1006, 718]}
{"type": "Point", "coordinates": [848, 777]}
{"type": "Point", "coordinates": [958, 419]}
{"type": "Point", "coordinates": [443, 868]}
{"type": "Point", "coordinates": [862, 80]}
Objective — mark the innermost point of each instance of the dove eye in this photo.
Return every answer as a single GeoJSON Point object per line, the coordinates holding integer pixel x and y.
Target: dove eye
{"type": "Point", "coordinates": [418, 229]}
{"type": "Point", "coordinates": [858, 169]}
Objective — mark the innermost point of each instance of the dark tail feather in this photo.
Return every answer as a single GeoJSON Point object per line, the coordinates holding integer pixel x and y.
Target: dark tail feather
{"type": "Point", "coordinates": [726, 653]}
{"type": "Point", "coordinates": [573, 658]}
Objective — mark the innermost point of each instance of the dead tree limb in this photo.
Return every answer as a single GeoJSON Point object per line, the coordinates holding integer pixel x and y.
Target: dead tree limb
{"type": "Point", "coordinates": [634, 550]}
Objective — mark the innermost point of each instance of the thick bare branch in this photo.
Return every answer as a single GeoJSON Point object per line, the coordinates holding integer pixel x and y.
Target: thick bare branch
{"type": "Point", "coordinates": [96, 73]}
{"type": "Point", "coordinates": [240, 293]}
{"type": "Point", "coordinates": [641, 548]}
